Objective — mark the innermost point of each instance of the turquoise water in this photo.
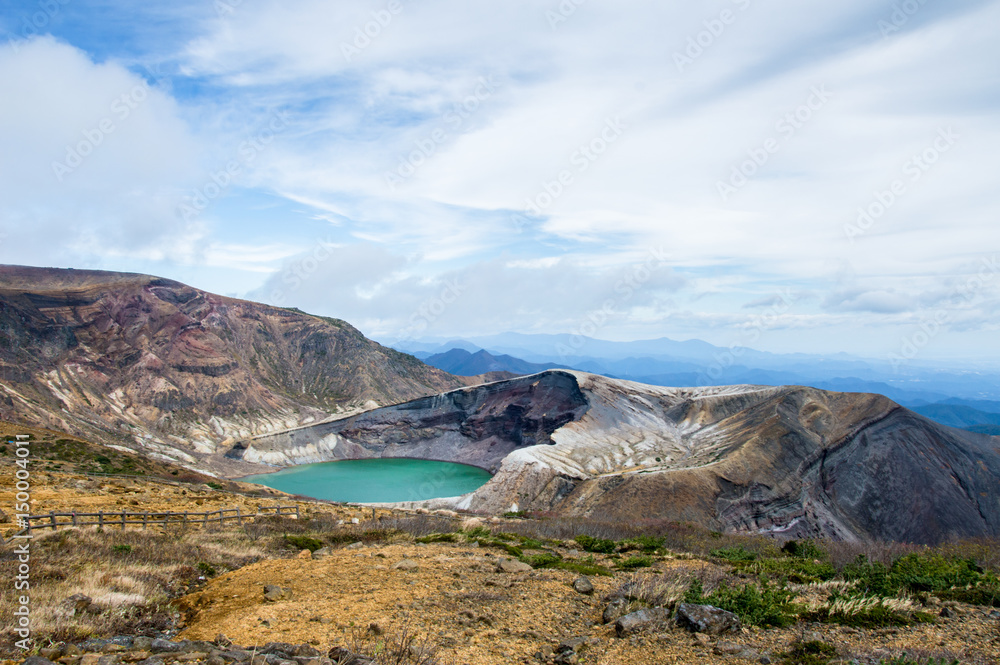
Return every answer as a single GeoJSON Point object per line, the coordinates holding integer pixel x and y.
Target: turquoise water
{"type": "Point", "coordinates": [375, 480]}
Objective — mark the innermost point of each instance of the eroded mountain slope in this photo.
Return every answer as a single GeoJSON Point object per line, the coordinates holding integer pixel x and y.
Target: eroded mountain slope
{"type": "Point", "coordinates": [152, 363]}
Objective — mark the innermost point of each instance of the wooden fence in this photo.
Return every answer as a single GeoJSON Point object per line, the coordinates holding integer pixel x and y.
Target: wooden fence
{"type": "Point", "coordinates": [145, 520]}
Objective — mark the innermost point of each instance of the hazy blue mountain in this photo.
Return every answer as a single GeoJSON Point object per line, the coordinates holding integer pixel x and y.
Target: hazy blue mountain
{"type": "Point", "coordinates": [670, 362]}
{"type": "Point", "coordinates": [957, 415]}
{"type": "Point", "coordinates": [463, 363]}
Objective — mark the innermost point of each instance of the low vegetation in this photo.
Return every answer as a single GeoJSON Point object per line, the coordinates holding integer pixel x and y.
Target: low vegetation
{"type": "Point", "coordinates": [131, 577]}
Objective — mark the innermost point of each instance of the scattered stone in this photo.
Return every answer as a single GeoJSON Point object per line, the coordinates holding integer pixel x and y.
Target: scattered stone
{"type": "Point", "coordinates": [616, 608]}
{"type": "Point", "coordinates": [342, 656]}
{"type": "Point", "coordinates": [406, 565]}
{"type": "Point", "coordinates": [948, 613]}
{"type": "Point", "coordinates": [355, 546]}
{"type": "Point", "coordinates": [702, 639]}
{"type": "Point", "coordinates": [90, 659]}
{"type": "Point", "coordinates": [355, 520]}
{"type": "Point", "coordinates": [707, 619]}
{"type": "Point", "coordinates": [274, 593]}
{"type": "Point", "coordinates": [50, 653]}
{"type": "Point", "coordinates": [572, 554]}
{"type": "Point", "coordinates": [304, 554]}
{"type": "Point", "coordinates": [37, 660]}
{"type": "Point", "coordinates": [322, 553]}
{"type": "Point", "coordinates": [512, 566]}
{"type": "Point", "coordinates": [639, 620]}
{"type": "Point", "coordinates": [571, 644]}
{"type": "Point", "coordinates": [143, 643]}
{"type": "Point", "coordinates": [583, 585]}
{"type": "Point", "coordinates": [724, 648]}
{"type": "Point", "coordinates": [79, 603]}
{"type": "Point", "coordinates": [165, 646]}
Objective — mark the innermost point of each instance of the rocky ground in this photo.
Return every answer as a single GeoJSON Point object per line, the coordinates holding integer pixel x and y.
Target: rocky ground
{"type": "Point", "coordinates": [466, 603]}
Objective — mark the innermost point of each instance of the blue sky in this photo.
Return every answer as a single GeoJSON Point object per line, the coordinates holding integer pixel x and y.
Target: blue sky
{"type": "Point", "coordinates": [810, 178]}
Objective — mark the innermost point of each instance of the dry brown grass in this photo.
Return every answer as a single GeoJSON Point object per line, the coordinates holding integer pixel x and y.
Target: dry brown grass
{"type": "Point", "coordinates": [130, 577]}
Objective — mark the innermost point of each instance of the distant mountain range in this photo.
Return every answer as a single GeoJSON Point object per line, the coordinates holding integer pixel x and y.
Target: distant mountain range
{"type": "Point", "coordinates": [462, 363]}
{"type": "Point", "coordinates": [668, 362]}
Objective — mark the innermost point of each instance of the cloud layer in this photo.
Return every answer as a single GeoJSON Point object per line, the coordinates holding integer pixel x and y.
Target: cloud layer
{"type": "Point", "coordinates": [534, 153]}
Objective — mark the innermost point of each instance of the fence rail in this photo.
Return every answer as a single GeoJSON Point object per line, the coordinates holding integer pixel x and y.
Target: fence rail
{"type": "Point", "coordinates": [123, 519]}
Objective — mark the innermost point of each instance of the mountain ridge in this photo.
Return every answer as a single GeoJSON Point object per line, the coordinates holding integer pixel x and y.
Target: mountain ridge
{"type": "Point", "coordinates": [147, 362]}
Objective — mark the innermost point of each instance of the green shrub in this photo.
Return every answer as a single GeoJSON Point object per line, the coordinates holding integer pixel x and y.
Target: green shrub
{"type": "Point", "coordinates": [632, 563]}
{"type": "Point", "coordinates": [599, 545]}
{"type": "Point", "coordinates": [738, 553]}
{"type": "Point", "coordinates": [950, 578]}
{"type": "Point", "coordinates": [762, 604]}
{"type": "Point", "coordinates": [799, 571]}
{"type": "Point", "coordinates": [542, 560]}
{"type": "Point", "coordinates": [439, 538]}
{"type": "Point", "coordinates": [643, 543]}
{"type": "Point", "coordinates": [124, 549]}
{"type": "Point", "coordinates": [206, 568]}
{"type": "Point", "coordinates": [803, 549]}
{"type": "Point", "coordinates": [303, 542]}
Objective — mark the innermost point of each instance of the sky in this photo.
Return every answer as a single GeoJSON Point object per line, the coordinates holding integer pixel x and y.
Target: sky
{"type": "Point", "coordinates": [794, 177]}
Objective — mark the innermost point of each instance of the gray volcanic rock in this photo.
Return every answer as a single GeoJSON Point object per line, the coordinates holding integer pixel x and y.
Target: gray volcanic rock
{"type": "Point", "coordinates": [789, 460]}
{"type": "Point", "coordinates": [479, 426]}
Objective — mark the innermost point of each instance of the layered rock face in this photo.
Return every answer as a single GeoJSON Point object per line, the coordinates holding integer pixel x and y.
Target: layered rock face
{"type": "Point", "coordinates": [478, 426]}
{"type": "Point", "coordinates": [790, 460]}
{"type": "Point", "coordinates": [151, 363]}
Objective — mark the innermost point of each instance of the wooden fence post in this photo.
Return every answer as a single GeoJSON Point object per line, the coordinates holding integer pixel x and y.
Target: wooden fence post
{"type": "Point", "coordinates": [145, 519]}
{"type": "Point", "coordinates": [52, 518]}
{"type": "Point", "coordinates": [296, 511]}
{"type": "Point", "coordinates": [239, 518]}
{"type": "Point", "coordinates": [74, 519]}
{"type": "Point", "coordinates": [100, 519]}
{"type": "Point", "coordinates": [123, 519]}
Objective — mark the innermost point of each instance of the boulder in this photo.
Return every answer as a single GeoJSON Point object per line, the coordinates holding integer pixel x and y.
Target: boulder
{"type": "Point", "coordinates": [512, 566]}
{"type": "Point", "coordinates": [616, 608]}
{"type": "Point", "coordinates": [583, 585]}
{"type": "Point", "coordinates": [640, 620]}
{"type": "Point", "coordinates": [406, 565]}
{"type": "Point", "coordinates": [274, 593]}
{"type": "Point", "coordinates": [707, 619]}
